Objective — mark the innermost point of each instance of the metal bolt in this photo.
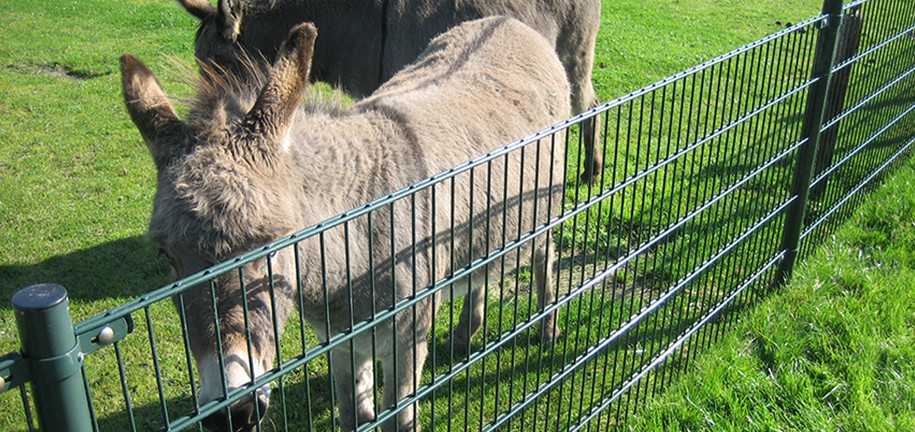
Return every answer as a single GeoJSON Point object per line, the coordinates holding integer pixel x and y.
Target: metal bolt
{"type": "Point", "coordinates": [105, 335]}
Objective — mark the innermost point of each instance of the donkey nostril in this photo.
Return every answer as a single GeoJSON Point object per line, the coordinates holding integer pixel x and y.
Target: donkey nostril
{"type": "Point", "coordinates": [244, 417]}
{"type": "Point", "coordinates": [262, 405]}
{"type": "Point", "coordinates": [216, 422]}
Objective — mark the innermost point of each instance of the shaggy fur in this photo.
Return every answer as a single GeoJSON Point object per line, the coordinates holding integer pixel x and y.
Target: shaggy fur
{"type": "Point", "coordinates": [365, 42]}
{"type": "Point", "coordinates": [251, 166]}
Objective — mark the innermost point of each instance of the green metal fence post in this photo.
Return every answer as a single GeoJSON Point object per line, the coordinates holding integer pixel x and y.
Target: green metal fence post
{"type": "Point", "coordinates": [849, 39]}
{"type": "Point", "coordinates": [51, 351]}
{"type": "Point", "coordinates": [810, 133]}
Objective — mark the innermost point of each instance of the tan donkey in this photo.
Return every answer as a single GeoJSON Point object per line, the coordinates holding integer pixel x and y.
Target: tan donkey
{"type": "Point", "coordinates": [251, 165]}
{"type": "Point", "coordinates": [365, 42]}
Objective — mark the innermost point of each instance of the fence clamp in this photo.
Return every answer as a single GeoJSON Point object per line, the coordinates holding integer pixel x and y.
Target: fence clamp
{"type": "Point", "coordinates": [56, 368]}
{"type": "Point", "coordinates": [95, 338]}
{"type": "Point", "coordinates": [830, 20]}
{"type": "Point", "coordinates": [16, 370]}
{"type": "Point", "coordinates": [13, 372]}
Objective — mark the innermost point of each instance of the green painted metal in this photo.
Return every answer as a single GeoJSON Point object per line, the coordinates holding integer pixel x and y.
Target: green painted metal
{"type": "Point", "coordinates": [827, 41]}
{"type": "Point", "coordinates": [13, 372]}
{"type": "Point", "coordinates": [707, 129]}
{"type": "Point", "coordinates": [51, 351]}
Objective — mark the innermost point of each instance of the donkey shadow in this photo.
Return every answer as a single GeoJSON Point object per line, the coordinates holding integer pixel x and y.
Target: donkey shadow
{"type": "Point", "coordinates": [124, 268]}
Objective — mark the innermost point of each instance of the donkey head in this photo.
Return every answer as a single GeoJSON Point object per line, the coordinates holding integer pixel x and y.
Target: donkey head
{"type": "Point", "coordinates": [223, 20]}
{"type": "Point", "coordinates": [220, 40]}
{"type": "Point", "coordinates": [217, 40]}
{"type": "Point", "coordinates": [222, 190]}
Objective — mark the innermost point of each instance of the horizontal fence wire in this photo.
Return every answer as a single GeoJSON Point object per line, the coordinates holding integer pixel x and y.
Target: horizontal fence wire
{"type": "Point", "coordinates": [653, 260]}
{"type": "Point", "coordinates": [870, 121]}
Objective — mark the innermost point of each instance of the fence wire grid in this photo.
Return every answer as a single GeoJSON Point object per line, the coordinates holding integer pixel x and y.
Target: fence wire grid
{"type": "Point", "coordinates": [716, 181]}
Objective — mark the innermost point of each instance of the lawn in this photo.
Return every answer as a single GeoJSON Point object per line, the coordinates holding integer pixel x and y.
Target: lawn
{"type": "Point", "coordinates": [840, 358]}
{"type": "Point", "coordinates": [77, 185]}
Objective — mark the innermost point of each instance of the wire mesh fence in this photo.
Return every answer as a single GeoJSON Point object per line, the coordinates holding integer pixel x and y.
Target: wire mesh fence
{"type": "Point", "coordinates": [699, 212]}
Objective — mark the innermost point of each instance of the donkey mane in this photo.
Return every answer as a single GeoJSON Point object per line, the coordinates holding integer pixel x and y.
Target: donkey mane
{"type": "Point", "coordinates": [222, 91]}
{"type": "Point", "coordinates": [215, 182]}
{"type": "Point", "coordinates": [217, 201]}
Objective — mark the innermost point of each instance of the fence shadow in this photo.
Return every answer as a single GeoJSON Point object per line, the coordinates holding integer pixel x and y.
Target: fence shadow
{"type": "Point", "coordinates": [127, 267]}
{"type": "Point", "coordinates": [300, 414]}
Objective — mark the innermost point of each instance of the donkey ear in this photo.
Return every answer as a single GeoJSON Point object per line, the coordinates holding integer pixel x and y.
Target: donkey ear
{"type": "Point", "coordinates": [201, 9]}
{"type": "Point", "coordinates": [286, 85]}
{"type": "Point", "coordinates": [151, 111]}
{"type": "Point", "coordinates": [229, 19]}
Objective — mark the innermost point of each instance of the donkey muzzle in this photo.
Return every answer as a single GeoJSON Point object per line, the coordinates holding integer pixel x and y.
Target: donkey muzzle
{"type": "Point", "coordinates": [245, 414]}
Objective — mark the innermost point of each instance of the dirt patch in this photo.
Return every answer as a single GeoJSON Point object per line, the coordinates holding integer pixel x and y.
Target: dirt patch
{"type": "Point", "coordinates": [57, 70]}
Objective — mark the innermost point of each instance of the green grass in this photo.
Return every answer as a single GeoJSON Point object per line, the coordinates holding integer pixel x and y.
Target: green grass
{"type": "Point", "coordinates": [76, 191]}
{"type": "Point", "coordinates": [833, 350]}
{"type": "Point", "coordinates": [641, 42]}
{"type": "Point", "coordinates": [77, 181]}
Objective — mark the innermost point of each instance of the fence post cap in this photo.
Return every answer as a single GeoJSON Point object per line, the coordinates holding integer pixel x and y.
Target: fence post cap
{"type": "Point", "coordinates": [39, 297]}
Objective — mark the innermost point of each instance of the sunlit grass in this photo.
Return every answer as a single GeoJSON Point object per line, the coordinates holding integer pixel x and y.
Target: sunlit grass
{"type": "Point", "coordinates": [833, 350]}
{"type": "Point", "coordinates": [77, 186]}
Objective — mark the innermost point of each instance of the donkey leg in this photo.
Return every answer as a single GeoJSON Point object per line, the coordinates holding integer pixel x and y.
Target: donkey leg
{"type": "Point", "coordinates": [402, 375]}
{"type": "Point", "coordinates": [576, 51]}
{"type": "Point", "coordinates": [471, 314]}
{"type": "Point", "coordinates": [543, 265]}
{"type": "Point", "coordinates": [594, 160]}
{"type": "Point", "coordinates": [354, 383]}
{"type": "Point", "coordinates": [583, 99]}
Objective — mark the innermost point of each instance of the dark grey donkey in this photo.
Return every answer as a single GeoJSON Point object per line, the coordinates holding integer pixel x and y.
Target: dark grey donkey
{"type": "Point", "coordinates": [252, 165]}
{"type": "Point", "coordinates": [365, 42]}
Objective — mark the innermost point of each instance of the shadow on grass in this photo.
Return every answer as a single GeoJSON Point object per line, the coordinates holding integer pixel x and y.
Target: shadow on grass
{"type": "Point", "coordinates": [123, 268]}
{"type": "Point", "coordinates": [129, 267]}
{"type": "Point", "coordinates": [300, 413]}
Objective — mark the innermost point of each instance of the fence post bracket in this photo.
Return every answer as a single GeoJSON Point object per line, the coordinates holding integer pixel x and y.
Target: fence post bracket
{"type": "Point", "coordinates": [14, 372]}
{"type": "Point", "coordinates": [58, 367]}
{"type": "Point", "coordinates": [93, 339]}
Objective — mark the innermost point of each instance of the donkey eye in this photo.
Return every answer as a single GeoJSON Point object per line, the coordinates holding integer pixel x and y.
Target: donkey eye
{"type": "Point", "coordinates": [162, 253]}
{"type": "Point", "coordinates": [172, 267]}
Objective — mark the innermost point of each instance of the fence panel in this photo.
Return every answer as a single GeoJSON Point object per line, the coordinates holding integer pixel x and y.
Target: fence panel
{"type": "Point", "coordinates": [683, 229]}
{"type": "Point", "coordinates": [872, 126]}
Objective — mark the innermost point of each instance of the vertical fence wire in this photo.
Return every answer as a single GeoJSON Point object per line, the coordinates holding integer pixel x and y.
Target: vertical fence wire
{"type": "Point", "coordinates": [872, 121]}
{"type": "Point", "coordinates": [654, 260]}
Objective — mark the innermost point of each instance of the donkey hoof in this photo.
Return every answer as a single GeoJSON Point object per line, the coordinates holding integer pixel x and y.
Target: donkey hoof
{"type": "Point", "coordinates": [458, 342]}
{"type": "Point", "coordinates": [590, 179]}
